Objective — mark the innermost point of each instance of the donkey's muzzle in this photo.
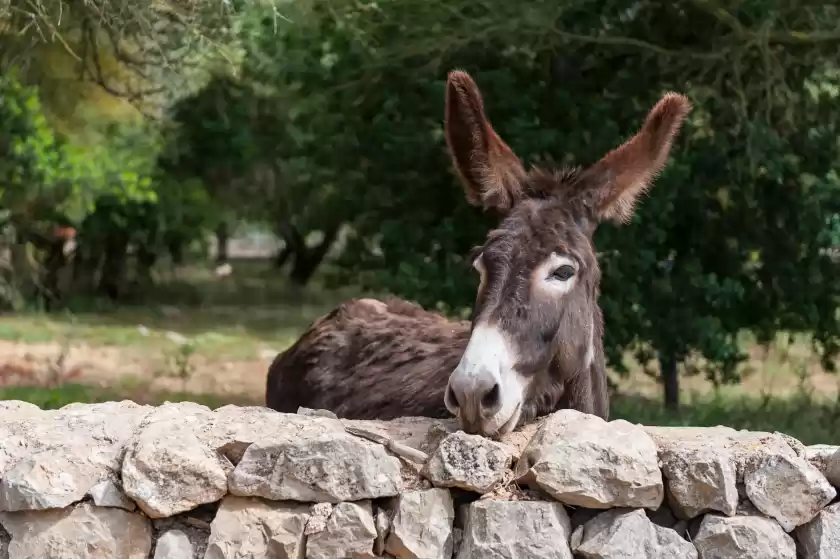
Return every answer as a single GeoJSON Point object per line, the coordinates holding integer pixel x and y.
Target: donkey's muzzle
{"type": "Point", "coordinates": [474, 396]}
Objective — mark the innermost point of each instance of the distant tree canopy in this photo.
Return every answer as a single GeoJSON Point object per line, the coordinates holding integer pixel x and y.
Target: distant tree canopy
{"type": "Point", "coordinates": [734, 234]}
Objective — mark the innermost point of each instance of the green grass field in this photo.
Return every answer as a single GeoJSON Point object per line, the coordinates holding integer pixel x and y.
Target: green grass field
{"type": "Point", "coordinates": [210, 340]}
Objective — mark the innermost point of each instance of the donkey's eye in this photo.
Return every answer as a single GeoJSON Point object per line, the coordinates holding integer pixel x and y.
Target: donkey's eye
{"type": "Point", "coordinates": [563, 273]}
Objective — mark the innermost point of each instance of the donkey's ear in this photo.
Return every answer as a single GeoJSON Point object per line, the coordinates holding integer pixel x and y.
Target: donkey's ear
{"type": "Point", "coordinates": [627, 171]}
{"type": "Point", "coordinates": [491, 173]}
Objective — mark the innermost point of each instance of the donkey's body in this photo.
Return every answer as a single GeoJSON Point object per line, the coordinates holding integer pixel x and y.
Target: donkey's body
{"type": "Point", "coordinates": [534, 344]}
{"type": "Point", "coordinates": [370, 359]}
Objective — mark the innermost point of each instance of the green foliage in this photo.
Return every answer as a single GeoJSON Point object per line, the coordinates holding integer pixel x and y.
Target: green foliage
{"type": "Point", "coordinates": [36, 174]}
{"type": "Point", "coordinates": [736, 233]}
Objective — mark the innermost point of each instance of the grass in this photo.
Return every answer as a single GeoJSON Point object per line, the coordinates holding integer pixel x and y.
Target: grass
{"type": "Point", "coordinates": [235, 325]}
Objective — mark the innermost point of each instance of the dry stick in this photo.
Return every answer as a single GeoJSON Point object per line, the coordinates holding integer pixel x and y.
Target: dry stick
{"type": "Point", "coordinates": [401, 450]}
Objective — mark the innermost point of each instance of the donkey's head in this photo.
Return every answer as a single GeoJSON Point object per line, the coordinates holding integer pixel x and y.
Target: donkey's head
{"type": "Point", "coordinates": [536, 321]}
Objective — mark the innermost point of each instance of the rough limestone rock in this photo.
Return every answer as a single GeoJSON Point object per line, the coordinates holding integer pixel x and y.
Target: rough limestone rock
{"type": "Point", "coordinates": [168, 470]}
{"type": "Point", "coordinates": [349, 534]}
{"type": "Point", "coordinates": [51, 459]}
{"type": "Point", "coordinates": [107, 493]}
{"type": "Point", "coordinates": [383, 528]}
{"type": "Point", "coordinates": [788, 489]}
{"type": "Point", "coordinates": [173, 544]}
{"type": "Point", "coordinates": [422, 526]}
{"type": "Point", "coordinates": [703, 466]}
{"type": "Point", "coordinates": [820, 538]}
{"type": "Point", "coordinates": [743, 537]}
{"type": "Point", "coordinates": [470, 462]}
{"type": "Point", "coordinates": [832, 468]}
{"type": "Point", "coordinates": [53, 478]}
{"type": "Point", "coordinates": [248, 528]}
{"type": "Point", "coordinates": [582, 460]}
{"type": "Point", "coordinates": [81, 532]}
{"type": "Point", "coordinates": [624, 533]}
{"type": "Point", "coordinates": [700, 479]}
{"type": "Point", "coordinates": [820, 454]}
{"type": "Point", "coordinates": [315, 459]}
{"type": "Point", "coordinates": [515, 529]}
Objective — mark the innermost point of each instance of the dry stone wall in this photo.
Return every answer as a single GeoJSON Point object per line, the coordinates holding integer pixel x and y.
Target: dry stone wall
{"type": "Point", "coordinates": [179, 481]}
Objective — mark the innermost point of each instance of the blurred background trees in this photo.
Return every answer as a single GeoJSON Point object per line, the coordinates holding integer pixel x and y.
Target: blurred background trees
{"type": "Point", "coordinates": [149, 127]}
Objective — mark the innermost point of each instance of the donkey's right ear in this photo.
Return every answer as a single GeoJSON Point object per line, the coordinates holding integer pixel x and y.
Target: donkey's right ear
{"type": "Point", "coordinates": [491, 173]}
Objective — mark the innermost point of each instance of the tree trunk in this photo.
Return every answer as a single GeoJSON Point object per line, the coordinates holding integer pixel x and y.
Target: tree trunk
{"type": "Point", "coordinates": [282, 256]}
{"type": "Point", "coordinates": [55, 262]}
{"type": "Point", "coordinates": [222, 237]}
{"type": "Point", "coordinates": [670, 382]}
{"type": "Point", "coordinates": [113, 268]}
{"type": "Point", "coordinates": [307, 260]}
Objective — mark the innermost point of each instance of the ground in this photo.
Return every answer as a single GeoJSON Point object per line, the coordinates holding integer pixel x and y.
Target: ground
{"type": "Point", "coordinates": [211, 339]}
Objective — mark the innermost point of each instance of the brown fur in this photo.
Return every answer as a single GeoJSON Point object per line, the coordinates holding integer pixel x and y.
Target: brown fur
{"type": "Point", "coordinates": [380, 360]}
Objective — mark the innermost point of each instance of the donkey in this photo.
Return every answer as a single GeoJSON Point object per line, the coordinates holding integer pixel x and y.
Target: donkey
{"type": "Point", "coordinates": [534, 342]}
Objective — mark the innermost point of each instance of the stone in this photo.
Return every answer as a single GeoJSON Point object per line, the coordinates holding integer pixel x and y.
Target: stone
{"type": "Point", "coordinates": [421, 527]}
{"type": "Point", "coordinates": [249, 528]}
{"type": "Point", "coordinates": [319, 514]}
{"type": "Point", "coordinates": [106, 493]}
{"type": "Point", "coordinates": [469, 462]}
{"type": "Point", "coordinates": [90, 437]}
{"type": "Point", "coordinates": [52, 478]}
{"type": "Point", "coordinates": [83, 531]}
{"type": "Point", "coordinates": [515, 529]}
{"type": "Point", "coordinates": [319, 413]}
{"type": "Point", "coordinates": [624, 533]}
{"type": "Point", "coordinates": [743, 537]}
{"type": "Point", "coordinates": [704, 467]}
{"type": "Point", "coordinates": [383, 528]}
{"type": "Point", "coordinates": [820, 454]}
{"type": "Point", "coordinates": [173, 544]}
{"type": "Point", "coordinates": [699, 479]}
{"type": "Point", "coordinates": [832, 468]}
{"type": "Point", "coordinates": [313, 459]}
{"type": "Point", "coordinates": [349, 534]}
{"type": "Point", "coordinates": [582, 460]}
{"type": "Point", "coordinates": [168, 471]}
{"type": "Point", "coordinates": [788, 489]}
{"type": "Point", "coordinates": [820, 538]}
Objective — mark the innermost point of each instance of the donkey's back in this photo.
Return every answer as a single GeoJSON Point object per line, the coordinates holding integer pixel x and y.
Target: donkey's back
{"type": "Point", "coordinates": [370, 359]}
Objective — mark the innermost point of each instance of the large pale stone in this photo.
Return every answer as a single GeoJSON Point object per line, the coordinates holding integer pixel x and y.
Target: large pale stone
{"type": "Point", "coordinates": [620, 533]}
{"type": "Point", "coordinates": [582, 460]}
{"type": "Point", "coordinates": [349, 534]}
{"type": "Point", "coordinates": [172, 472]}
{"type": "Point", "coordinates": [87, 437]}
{"type": "Point", "coordinates": [248, 528]}
{"type": "Point", "coordinates": [422, 526]}
{"type": "Point", "coordinates": [515, 529]}
{"type": "Point", "coordinates": [699, 479]}
{"type": "Point", "coordinates": [788, 489]}
{"type": "Point", "coordinates": [743, 537]}
{"type": "Point", "coordinates": [53, 478]}
{"type": "Point", "coordinates": [173, 544]}
{"type": "Point", "coordinates": [315, 459]}
{"type": "Point", "coordinates": [470, 462]}
{"type": "Point", "coordinates": [820, 538]}
{"type": "Point", "coordinates": [81, 532]}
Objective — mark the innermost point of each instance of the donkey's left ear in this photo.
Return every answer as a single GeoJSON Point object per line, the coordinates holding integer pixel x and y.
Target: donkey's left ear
{"type": "Point", "coordinates": [627, 171]}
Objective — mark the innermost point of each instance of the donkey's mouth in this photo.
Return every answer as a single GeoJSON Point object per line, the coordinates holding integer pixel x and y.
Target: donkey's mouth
{"type": "Point", "coordinates": [511, 423]}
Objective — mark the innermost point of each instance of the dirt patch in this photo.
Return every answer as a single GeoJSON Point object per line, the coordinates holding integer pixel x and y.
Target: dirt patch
{"type": "Point", "coordinates": [36, 363]}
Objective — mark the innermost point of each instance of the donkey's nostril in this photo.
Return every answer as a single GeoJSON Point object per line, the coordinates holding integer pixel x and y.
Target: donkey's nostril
{"type": "Point", "coordinates": [491, 399]}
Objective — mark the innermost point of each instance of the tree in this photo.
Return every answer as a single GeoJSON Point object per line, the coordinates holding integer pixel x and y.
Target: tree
{"type": "Point", "coordinates": [732, 236]}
